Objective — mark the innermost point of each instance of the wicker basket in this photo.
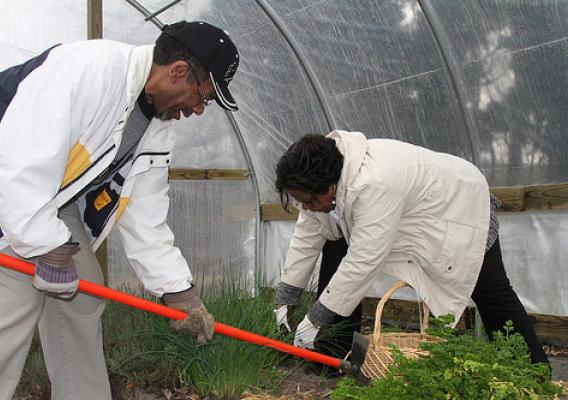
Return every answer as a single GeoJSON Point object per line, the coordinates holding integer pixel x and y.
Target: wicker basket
{"type": "Point", "coordinates": [379, 355]}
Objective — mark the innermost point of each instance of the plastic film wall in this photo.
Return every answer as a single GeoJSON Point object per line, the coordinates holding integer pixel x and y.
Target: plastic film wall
{"type": "Point", "coordinates": [28, 27]}
{"type": "Point", "coordinates": [482, 79]}
{"type": "Point", "coordinates": [212, 222]}
{"type": "Point", "coordinates": [510, 63]}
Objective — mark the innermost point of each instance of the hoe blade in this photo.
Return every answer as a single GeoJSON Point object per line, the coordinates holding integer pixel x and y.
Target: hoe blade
{"type": "Point", "coordinates": [358, 354]}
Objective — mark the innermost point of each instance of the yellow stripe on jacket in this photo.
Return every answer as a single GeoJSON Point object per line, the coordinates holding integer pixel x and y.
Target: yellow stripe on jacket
{"type": "Point", "coordinates": [79, 161]}
{"type": "Point", "coordinates": [121, 205]}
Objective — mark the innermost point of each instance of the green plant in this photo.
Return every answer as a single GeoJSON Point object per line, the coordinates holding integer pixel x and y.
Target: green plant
{"type": "Point", "coordinates": [462, 367]}
{"type": "Point", "coordinates": [142, 347]}
{"type": "Point", "coordinates": [440, 326]}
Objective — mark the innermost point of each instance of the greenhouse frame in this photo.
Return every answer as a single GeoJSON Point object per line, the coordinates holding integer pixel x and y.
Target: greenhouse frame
{"type": "Point", "coordinates": [485, 80]}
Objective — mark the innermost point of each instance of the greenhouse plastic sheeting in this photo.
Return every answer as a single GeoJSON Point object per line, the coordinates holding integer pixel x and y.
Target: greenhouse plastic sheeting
{"type": "Point", "coordinates": [207, 142]}
{"type": "Point", "coordinates": [212, 223]}
{"type": "Point", "coordinates": [380, 70]}
{"type": "Point", "coordinates": [482, 79]}
{"type": "Point", "coordinates": [510, 62]}
{"type": "Point", "coordinates": [28, 27]}
{"type": "Point", "coordinates": [535, 255]}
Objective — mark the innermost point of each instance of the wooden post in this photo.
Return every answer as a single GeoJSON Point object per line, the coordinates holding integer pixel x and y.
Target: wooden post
{"type": "Point", "coordinates": [94, 19]}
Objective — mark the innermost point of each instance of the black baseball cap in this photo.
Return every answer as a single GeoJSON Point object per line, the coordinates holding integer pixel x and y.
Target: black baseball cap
{"type": "Point", "coordinates": [215, 50]}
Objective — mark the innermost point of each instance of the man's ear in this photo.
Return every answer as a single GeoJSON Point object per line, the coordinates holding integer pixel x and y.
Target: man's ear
{"type": "Point", "coordinates": [178, 70]}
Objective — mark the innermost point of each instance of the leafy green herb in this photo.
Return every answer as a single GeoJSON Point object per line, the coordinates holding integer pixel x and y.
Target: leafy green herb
{"type": "Point", "coordinates": [462, 367]}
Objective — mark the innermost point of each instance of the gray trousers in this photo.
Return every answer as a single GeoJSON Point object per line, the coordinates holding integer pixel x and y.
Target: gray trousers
{"type": "Point", "coordinates": [70, 330]}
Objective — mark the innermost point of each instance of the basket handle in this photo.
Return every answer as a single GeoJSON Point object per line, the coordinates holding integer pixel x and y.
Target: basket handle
{"type": "Point", "coordinates": [381, 305]}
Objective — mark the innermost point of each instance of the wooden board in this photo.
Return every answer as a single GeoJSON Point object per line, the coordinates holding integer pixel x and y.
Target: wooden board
{"type": "Point", "coordinates": [546, 197]}
{"type": "Point", "coordinates": [512, 198]}
{"type": "Point", "coordinates": [275, 212]}
{"type": "Point", "coordinates": [550, 329]}
{"type": "Point", "coordinates": [209, 174]}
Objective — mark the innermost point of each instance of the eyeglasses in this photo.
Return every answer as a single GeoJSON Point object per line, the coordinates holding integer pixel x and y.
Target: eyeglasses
{"type": "Point", "coordinates": [204, 101]}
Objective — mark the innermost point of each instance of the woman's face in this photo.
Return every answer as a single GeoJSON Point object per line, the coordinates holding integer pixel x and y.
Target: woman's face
{"type": "Point", "coordinates": [314, 202]}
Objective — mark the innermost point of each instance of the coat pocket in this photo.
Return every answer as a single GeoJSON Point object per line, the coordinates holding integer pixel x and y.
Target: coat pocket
{"type": "Point", "coordinates": [144, 161]}
{"type": "Point", "coordinates": [100, 202]}
{"type": "Point", "coordinates": [450, 259]}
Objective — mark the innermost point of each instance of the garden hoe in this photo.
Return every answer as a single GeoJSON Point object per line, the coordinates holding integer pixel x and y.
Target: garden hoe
{"type": "Point", "coordinates": [360, 345]}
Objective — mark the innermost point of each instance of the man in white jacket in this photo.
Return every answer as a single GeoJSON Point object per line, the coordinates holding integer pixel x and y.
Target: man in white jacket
{"type": "Point", "coordinates": [424, 217]}
{"type": "Point", "coordinates": [85, 146]}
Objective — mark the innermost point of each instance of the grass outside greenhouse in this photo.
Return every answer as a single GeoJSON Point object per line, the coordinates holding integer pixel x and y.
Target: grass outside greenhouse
{"type": "Point", "coordinates": [148, 360]}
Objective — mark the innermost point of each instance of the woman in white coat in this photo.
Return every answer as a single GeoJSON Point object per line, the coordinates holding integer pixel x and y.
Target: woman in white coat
{"type": "Point", "coordinates": [424, 217]}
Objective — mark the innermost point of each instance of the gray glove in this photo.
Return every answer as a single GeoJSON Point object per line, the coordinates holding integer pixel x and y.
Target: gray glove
{"type": "Point", "coordinates": [198, 321]}
{"type": "Point", "coordinates": [55, 271]}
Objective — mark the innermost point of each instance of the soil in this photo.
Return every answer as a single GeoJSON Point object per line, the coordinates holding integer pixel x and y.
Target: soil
{"type": "Point", "coordinates": [298, 385]}
{"type": "Point", "coordinates": [558, 357]}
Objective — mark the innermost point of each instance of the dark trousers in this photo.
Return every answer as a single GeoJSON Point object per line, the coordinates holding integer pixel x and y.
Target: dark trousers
{"type": "Point", "coordinates": [498, 303]}
{"type": "Point", "coordinates": [493, 295]}
{"type": "Point", "coordinates": [343, 327]}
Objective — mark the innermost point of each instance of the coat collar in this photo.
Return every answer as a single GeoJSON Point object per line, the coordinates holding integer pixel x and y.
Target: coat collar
{"type": "Point", "coordinates": [353, 147]}
{"type": "Point", "coordinates": [139, 66]}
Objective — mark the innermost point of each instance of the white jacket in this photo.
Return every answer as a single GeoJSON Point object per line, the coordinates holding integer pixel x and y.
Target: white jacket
{"type": "Point", "coordinates": [418, 215]}
{"type": "Point", "coordinates": [60, 131]}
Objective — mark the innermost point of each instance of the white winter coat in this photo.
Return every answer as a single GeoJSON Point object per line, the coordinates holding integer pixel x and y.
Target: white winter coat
{"type": "Point", "coordinates": [61, 130]}
{"type": "Point", "coordinates": [413, 213]}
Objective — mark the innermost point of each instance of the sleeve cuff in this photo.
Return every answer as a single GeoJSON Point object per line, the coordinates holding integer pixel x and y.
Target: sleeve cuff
{"type": "Point", "coordinates": [287, 294]}
{"type": "Point", "coordinates": [189, 296]}
{"type": "Point", "coordinates": [320, 315]}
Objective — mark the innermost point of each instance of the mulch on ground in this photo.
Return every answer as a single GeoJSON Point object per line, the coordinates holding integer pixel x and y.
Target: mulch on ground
{"type": "Point", "coordinates": [298, 385]}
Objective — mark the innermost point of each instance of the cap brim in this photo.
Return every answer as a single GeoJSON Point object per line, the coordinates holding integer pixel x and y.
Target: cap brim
{"type": "Point", "coordinates": [223, 96]}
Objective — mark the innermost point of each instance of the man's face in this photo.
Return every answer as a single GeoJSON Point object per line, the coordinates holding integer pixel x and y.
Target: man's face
{"type": "Point", "coordinates": [174, 96]}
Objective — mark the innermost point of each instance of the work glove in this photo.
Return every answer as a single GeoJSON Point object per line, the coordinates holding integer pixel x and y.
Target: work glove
{"type": "Point", "coordinates": [306, 334]}
{"type": "Point", "coordinates": [281, 313]}
{"type": "Point", "coordinates": [55, 271]}
{"type": "Point", "coordinates": [198, 322]}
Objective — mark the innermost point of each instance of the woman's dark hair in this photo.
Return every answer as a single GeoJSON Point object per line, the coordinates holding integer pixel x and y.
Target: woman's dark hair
{"type": "Point", "coordinates": [168, 50]}
{"type": "Point", "coordinates": [311, 165]}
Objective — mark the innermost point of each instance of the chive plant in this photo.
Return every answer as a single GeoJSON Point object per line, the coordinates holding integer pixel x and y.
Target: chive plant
{"type": "Point", "coordinates": [142, 346]}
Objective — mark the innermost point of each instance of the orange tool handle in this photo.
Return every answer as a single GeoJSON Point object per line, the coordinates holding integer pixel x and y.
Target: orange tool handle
{"type": "Point", "coordinates": [146, 305]}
